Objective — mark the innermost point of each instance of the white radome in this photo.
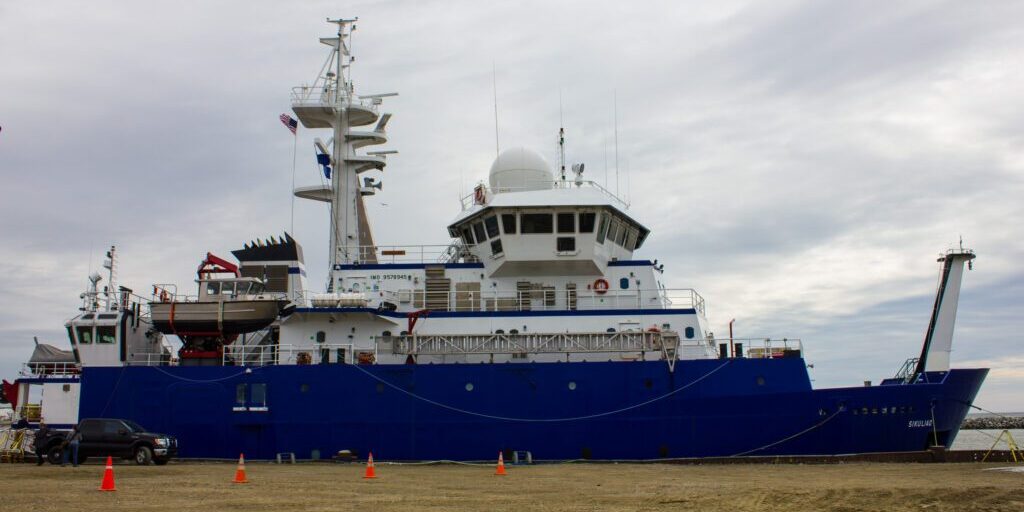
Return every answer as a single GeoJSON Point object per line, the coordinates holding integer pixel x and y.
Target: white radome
{"type": "Point", "coordinates": [519, 169]}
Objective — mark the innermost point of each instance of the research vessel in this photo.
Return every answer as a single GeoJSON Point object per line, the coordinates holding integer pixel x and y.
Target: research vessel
{"type": "Point", "coordinates": [537, 326]}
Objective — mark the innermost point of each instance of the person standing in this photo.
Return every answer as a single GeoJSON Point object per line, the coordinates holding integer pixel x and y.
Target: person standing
{"type": "Point", "coordinates": [71, 446]}
{"type": "Point", "coordinates": [39, 442]}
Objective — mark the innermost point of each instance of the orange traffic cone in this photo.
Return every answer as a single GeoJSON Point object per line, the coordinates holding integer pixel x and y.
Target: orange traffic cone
{"type": "Point", "coordinates": [108, 476]}
{"type": "Point", "coordinates": [371, 472]}
{"type": "Point", "coordinates": [501, 465]}
{"type": "Point", "coordinates": [240, 472]}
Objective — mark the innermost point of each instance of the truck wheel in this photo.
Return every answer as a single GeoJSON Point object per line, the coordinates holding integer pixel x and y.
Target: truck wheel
{"type": "Point", "coordinates": [143, 455]}
{"type": "Point", "coordinates": [54, 454]}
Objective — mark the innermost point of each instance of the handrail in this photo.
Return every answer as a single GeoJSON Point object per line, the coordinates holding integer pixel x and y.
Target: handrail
{"type": "Point", "coordinates": [307, 95]}
{"type": "Point", "coordinates": [469, 200]}
{"type": "Point", "coordinates": [286, 353]}
{"type": "Point", "coordinates": [533, 300]}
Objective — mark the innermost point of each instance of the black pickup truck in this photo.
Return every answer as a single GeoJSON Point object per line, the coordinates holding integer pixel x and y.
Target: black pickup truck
{"type": "Point", "coordinates": [117, 438]}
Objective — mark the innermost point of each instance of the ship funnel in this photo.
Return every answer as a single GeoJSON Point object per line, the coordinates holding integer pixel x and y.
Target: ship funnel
{"type": "Point", "coordinates": [938, 341]}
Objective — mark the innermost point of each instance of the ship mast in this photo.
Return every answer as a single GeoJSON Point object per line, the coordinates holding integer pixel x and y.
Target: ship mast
{"type": "Point", "coordinates": [331, 103]}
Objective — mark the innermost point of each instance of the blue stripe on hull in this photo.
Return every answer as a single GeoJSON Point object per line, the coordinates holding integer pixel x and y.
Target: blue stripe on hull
{"type": "Point", "coordinates": [702, 409]}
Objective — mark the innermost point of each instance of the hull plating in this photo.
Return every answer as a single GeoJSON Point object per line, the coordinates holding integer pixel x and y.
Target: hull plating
{"type": "Point", "coordinates": [555, 410]}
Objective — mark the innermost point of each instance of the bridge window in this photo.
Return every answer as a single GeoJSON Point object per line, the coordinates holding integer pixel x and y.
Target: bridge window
{"type": "Point", "coordinates": [566, 244]}
{"type": "Point", "coordinates": [613, 230]}
{"type": "Point", "coordinates": [496, 248]}
{"type": "Point", "coordinates": [620, 236]}
{"type": "Point", "coordinates": [467, 236]}
{"type": "Point", "coordinates": [508, 223]}
{"type": "Point", "coordinates": [212, 288]}
{"type": "Point", "coordinates": [106, 334]}
{"type": "Point", "coordinates": [566, 222]}
{"type": "Point", "coordinates": [84, 335]}
{"type": "Point", "coordinates": [631, 239]}
{"type": "Point", "coordinates": [491, 223]}
{"type": "Point", "coordinates": [478, 230]}
{"type": "Point", "coordinates": [602, 229]}
{"type": "Point", "coordinates": [536, 223]}
{"type": "Point", "coordinates": [587, 222]}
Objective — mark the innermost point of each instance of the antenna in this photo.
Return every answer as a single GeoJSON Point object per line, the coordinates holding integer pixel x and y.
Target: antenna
{"type": "Point", "coordinates": [494, 82]}
{"type": "Point", "coordinates": [561, 138]}
{"type": "Point", "coordinates": [615, 106]}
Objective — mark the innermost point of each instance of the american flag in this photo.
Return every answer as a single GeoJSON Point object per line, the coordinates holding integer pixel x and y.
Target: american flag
{"type": "Point", "coordinates": [292, 124]}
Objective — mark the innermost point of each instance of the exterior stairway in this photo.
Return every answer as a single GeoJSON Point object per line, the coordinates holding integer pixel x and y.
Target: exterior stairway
{"type": "Point", "coordinates": [438, 288]}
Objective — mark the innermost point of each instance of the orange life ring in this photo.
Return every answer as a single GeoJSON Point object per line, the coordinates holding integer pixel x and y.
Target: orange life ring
{"type": "Point", "coordinates": [601, 286]}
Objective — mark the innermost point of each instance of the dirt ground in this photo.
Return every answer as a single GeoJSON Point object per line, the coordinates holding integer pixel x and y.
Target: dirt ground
{"type": "Point", "coordinates": [207, 487]}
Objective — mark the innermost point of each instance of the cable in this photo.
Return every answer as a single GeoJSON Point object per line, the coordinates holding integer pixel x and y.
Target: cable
{"type": "Point", "coordinates": [543, 420]}
{"type": "Point", "coordinates": [794, 436]}
{"type": "Point", "coordinates": [197, 381]}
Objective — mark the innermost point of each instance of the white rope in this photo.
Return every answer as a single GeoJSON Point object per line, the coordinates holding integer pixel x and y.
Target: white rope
{"type": "Point", "coordinates": [543, 420]}
{"type": "Point", "coordinates": [197, 381]}
{"type": "Point", "coordinates": [794, 436]}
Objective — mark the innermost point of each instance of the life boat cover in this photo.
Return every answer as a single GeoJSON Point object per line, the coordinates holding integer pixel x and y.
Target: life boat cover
{"type": "Point", "coordinates": [50, 354]}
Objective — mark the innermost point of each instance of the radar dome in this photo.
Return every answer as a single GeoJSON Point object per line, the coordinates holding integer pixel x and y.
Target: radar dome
{"type": "Point", "coordinates": [519, 169]}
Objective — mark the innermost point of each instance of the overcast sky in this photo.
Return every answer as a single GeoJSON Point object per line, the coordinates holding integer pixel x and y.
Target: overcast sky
{"type": "Point", "coordinates": [800, 163]}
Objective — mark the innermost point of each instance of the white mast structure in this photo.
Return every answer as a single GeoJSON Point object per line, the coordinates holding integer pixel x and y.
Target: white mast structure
{"type": "Point", "coordinates": [331, 103]}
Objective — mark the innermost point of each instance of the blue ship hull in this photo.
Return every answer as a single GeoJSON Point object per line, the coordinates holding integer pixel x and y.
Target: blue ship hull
{"type": "Point", "coordinates": [608, 410]}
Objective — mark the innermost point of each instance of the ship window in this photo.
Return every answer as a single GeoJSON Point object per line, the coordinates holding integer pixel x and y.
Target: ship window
{"type": "Point", "coordinates": [566, 243]}
{"type": "Point", "coordinates": [258, 394]}
{"type": "Point", "coordinates": [566, 222]}
{"type": "Point", "coordinates": [212, 288]}
{"type": "Point", "coordinates": [508, 223]}
{"type": "Point", "coordinates": [613, 230]}
{"type": "Point", "coordinates": [536, 223]}
{"type": "Point", "coordinates": [84, 335]}
{"type": "Point", "coordinates": [602, 228]}
{"type": "Point", "coordinates": [467, 236]}
{"type": "Point", "coordinates": [240, 394]}
{"type": "Point", "coordinates": [496, 247]}
{"type": "Point", "coordinates": [587, 222]}
{"type": "Point", "coordinates": [106, 334]}
{"type": "Point", "coordinates": [620, 236]}
{"type": "Point", "coordinates": [321, 336]}
{"type": "Point", "coordinates": [631, 240]}
{"type": "Point", "coordinates": [478, 230]}
{"type": "Point", "coordinates": [689, 332]}
{"type": "Point", "coordinates": [491, 223]}
{"type": "Point", "coordinates": [640, 239]}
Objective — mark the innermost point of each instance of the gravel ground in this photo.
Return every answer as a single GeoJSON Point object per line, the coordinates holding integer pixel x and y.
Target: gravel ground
{"type": "Point", "coordinates": [204, 487]}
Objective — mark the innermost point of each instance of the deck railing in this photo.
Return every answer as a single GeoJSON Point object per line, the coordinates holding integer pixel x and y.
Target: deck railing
{"type": "Point", "coordinates": [289, 354]}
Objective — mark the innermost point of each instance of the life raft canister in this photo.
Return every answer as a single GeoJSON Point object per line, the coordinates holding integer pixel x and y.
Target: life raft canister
{"type": "Point", "coordinates": [601, 286]}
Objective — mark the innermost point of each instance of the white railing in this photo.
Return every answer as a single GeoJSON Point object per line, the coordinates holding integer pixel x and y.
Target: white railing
{"type": "Point", "coordinates": [547, 300]}
{"type": "Point", "coordinates": [765, 348]}
{"type": "Point", "coordinates": [470, 199]}
{"type": "Point", "coordinates": [532, 343]}
{"type": "Point", "coordinates": [50, 369]}
{"type": "Point", "coordinates": [285, 354]}
{"type": "Point", "coordinates": [151, 359]}
{"type": "Point", "coordinates": [314, 96]}
{"type": "Point", "coordinates": [407, 253]}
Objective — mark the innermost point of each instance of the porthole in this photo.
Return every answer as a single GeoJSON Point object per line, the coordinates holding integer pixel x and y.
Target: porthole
{"type": "Point", "coordinates": [380, 388]}
{"type": "Point", "coordinates": [689, 333]}
{"type": "Point", "coordinates": [648, 383]}
{"type": "Point", "coordinates": [759, 380]}
{"type": "Point", "coordinates": [469, 386]}
{"type": "Point", "coordinates": [572, 385]}
{"type": "Point", "coordinates": [304, 388]}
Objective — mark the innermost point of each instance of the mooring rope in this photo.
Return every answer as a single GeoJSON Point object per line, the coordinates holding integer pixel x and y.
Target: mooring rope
{"type": "Point", "coordinates": [542, 420]}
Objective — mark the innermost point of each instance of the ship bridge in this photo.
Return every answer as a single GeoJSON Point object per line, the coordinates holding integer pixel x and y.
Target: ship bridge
{"type": "Point", "coordinates": [526, 223]}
